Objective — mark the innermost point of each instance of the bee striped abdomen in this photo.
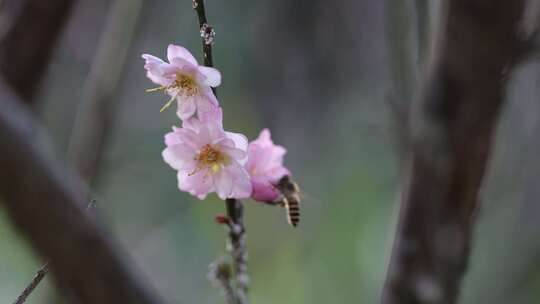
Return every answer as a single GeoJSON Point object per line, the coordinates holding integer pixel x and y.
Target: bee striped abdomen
{"type": "Point", "coordinates": [293, 211]}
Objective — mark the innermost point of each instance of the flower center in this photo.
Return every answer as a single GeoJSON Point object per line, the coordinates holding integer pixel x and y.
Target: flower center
{"type": "Point", "coordinates": [210, 158]}
{"type": "Point", "coordinates": [185, 83]}
{"type": "Point", "coordinates": [182, 84]}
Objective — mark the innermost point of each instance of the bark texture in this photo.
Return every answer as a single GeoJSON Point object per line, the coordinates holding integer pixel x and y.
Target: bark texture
{"type": "Point", "coordinates": [451, 127]}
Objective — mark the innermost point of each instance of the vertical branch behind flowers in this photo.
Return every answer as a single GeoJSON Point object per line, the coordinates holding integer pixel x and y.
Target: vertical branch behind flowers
{"type": "Point", "coordinates": [451, 132]}
{"type": "Point", "coordinates": [94, 112]}
{"type": "Point", "coordinates": [234, 207]}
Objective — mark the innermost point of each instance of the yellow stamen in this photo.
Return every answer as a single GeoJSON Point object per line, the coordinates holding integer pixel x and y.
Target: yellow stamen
{"type": "Point", "coordinates": [215, 168]}
{"type": "Point", "coordinates": [168, 104]}
{"type": "Point", "coordinates": [162, 88]}
{"type": "Point", "coordinates": [209, 158]}
{"type": "Point", "coordinates": [182, 84]}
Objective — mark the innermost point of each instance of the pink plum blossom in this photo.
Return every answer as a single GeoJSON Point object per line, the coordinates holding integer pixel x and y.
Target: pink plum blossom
{"type": "Point", "coordinates": [184, 80]}
{"type": "Point", "coordinates": [265, 166]}
{"type": "Point", "coordinates": [207, 158]}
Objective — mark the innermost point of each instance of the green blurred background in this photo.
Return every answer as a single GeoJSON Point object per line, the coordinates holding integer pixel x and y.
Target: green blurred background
{"type": "Point", "coordinates": [330, 79]}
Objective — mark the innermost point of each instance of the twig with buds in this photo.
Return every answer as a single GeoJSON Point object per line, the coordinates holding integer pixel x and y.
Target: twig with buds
{"type": "Point", "coordinates": [237, 248]}
{"type": "Point", "coordinates": [234, 218]}
{"type": "Point", "coordinates": [207, 32]}
{"type": "Point", "coordinates": [220, 274]}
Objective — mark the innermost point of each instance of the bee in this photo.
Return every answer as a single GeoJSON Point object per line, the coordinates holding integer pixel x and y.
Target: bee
{"type": "Point", "coordinates": [290, 199]}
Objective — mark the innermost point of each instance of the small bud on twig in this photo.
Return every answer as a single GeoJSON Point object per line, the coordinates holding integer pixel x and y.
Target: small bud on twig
{"type": "Point", "coordinates": [220, 274]}
{"type": "Point", "coordinates": [222, 219]}
{"type": "Point", "coordinates": [219, 270]}
{"type": "Point", "coordinates": [207, 33]}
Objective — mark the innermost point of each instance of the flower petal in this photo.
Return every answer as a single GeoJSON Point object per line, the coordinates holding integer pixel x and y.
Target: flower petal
{"type": "Point", "coordinates": [263, 190]}
{"type": "Point", "coordinates": [207, 105]}
{"type": "Point", "coordinates": [176, 51]}
{"type": "Point", "coordinates": [198, 183]}
{"type": "Point", "coordinates": [154, 67]}
{"type": "Point", "coordinates": [212, 76]}
{"type": "Point", "coordinates": [212, 121]}
{"type": "Point", "coordinates": [213, 117]}
{"type": "Point", "coordinates": [265, 137]}
{"type": "Point", "coordinates": [179, 66]}
{"type": "Point", "coordinates": [186, 107]}
{"type": "Point", "coordinates": [223, 182]}
{"type": "Point", "coordinates": [237, 154]}
{"type": "Point", "coordinates": [172, 138]}
{"type": "Point", "coordinates": [265, 164]}
{"type": "Point", "coordinates": [241, 143]}
{"type": "Point", "coordinates": [190, 138]}
{"type": "Point", "coordinates": [242, 187]}
{"type": "Point", "coordinates": [177, 156]}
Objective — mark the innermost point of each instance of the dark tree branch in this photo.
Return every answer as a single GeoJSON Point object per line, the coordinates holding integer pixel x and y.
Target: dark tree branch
{"type": "Point", "coordinates": [207, 35]}
{"type": "Point", "coordinates": [207, 32]}
{"type": "Point", "coordinates": [28, 34]}
{"type": "Point", "coordinates": [46, 204]}
{"type": "Point", "coordinates": [451, 129]}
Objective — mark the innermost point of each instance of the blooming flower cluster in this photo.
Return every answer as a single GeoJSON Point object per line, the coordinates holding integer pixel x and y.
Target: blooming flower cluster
{"type": "Point", "coordinates": [206, 157]}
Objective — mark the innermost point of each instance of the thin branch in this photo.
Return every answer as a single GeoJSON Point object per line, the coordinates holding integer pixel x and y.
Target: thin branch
{"type": "Point", "coordinates": [207, 35]}
{"type": "Point", "coordinates": [220, 274]}
{"type": "Point", "coordinates": [33, 284]}
{"type": "Point", "coordinates": [207, 32]}
{"type": "Point", "coordinates": [41, 273]}
{"type": "Point", "coordinates": [237, 248]}
{"type": "Point", "coordinates": [45, 202]}
{"type": "Point", "coordinates": [237, 230]}
{"type": "Point", "coordinates": [451, 128]}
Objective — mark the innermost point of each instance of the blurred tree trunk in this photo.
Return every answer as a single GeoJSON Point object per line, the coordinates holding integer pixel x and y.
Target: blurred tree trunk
{"type": "Point", "coordinates": [43, 199]}
{"type": "Point", "coordinates": [29, 30]}
{"type": "Point", "coordinates": [450, 131]}
{"type": "Point", "coordinates": [94, 114]}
